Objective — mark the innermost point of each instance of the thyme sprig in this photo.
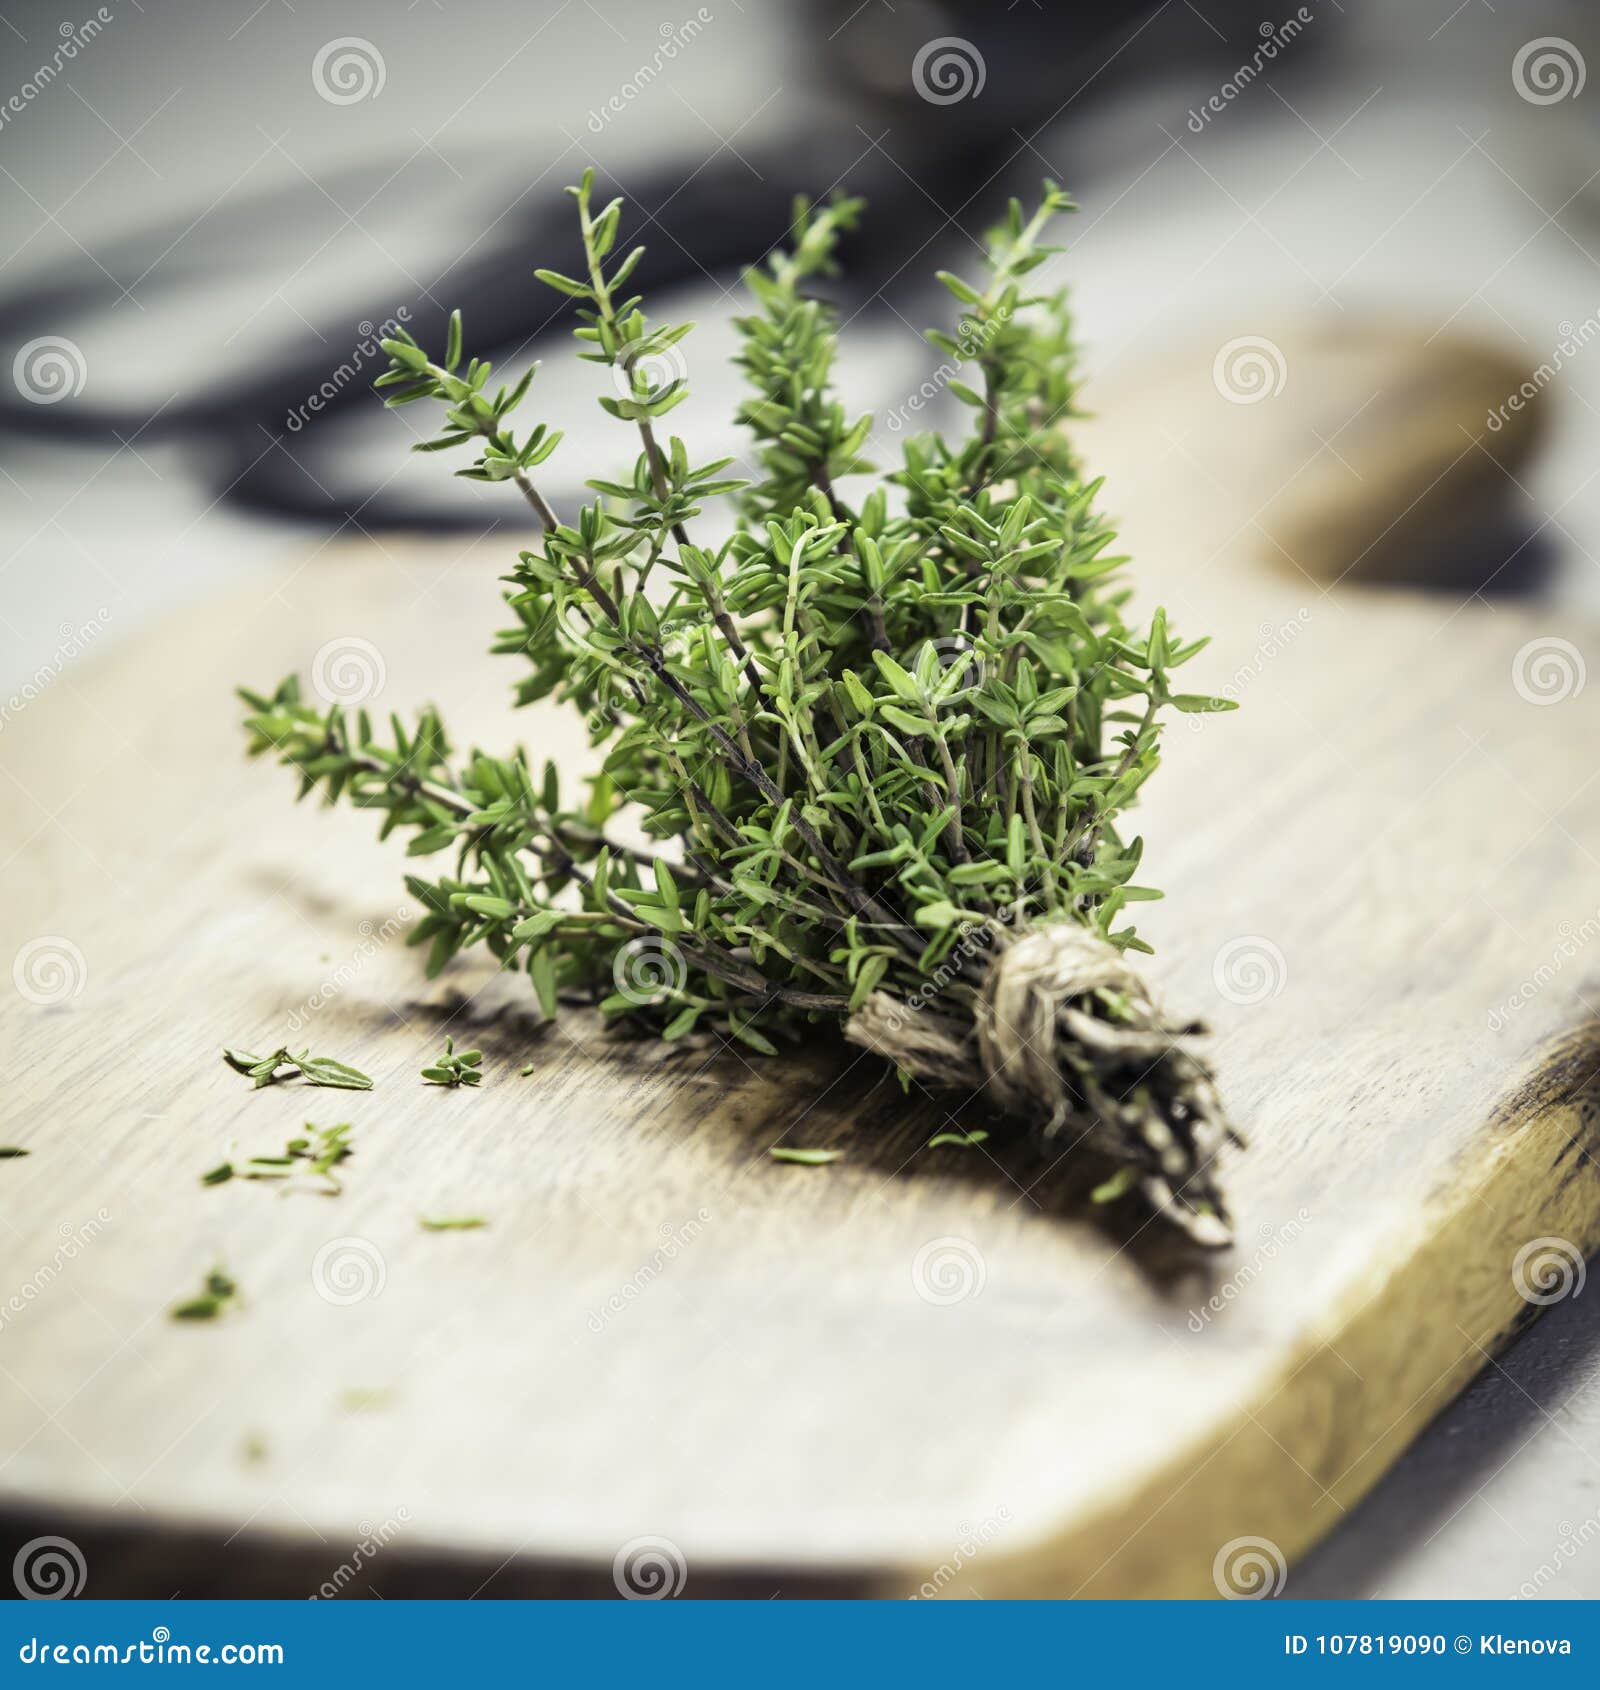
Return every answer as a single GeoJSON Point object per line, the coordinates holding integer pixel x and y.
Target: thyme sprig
{"type": "Point", "coordinates": [455, 1068]}
{"type": "Point", "coordinates": [879, 739]}
{"type": "Point", "coordinates": [283, 1065]}
{"type": "Point", "coordinates": [315, 1153]}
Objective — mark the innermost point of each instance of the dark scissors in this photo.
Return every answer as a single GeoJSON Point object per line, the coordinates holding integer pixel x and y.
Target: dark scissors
{"type": "Point", "coordinates": [966, 133]}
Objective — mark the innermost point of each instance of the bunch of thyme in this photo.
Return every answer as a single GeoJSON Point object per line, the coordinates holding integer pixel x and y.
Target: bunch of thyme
{"type": "Point", "coordinates": [884, 736]}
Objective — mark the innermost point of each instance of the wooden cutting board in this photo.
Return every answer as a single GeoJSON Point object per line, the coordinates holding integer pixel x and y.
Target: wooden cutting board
{"type": "Point", "coordinates": [913, 1369]}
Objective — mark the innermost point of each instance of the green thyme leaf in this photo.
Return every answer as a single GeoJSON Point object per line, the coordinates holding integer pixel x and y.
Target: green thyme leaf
{"type": "Point", "coordinates": [314, 1153]}
{"type": "Point", "coordinates": [281, 1065]}
{"type": "Point", "coordinates": [365, 1399]}
{"type": "Point", "coordinates": [324, 1071]}
{"type": "Point", "coordinates": [454, 1068]}
{"type": "Point", "coordinates": [1119, 1185]}
{"type": "Point", "coordinates": [218, 1294]}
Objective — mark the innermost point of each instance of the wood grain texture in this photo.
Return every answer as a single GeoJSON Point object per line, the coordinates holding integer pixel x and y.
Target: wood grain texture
{"type": "Point", "coordinates": [910, 1369]}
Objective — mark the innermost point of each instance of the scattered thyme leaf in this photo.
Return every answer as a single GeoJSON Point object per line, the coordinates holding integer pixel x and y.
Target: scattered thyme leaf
{"type": "Point", "coordinates": [199, 1308]}
{"type": "Point", "coordinates": [328, 1147]}
{"type": "Point", "coordinates": [455, 1068]}
{"type": "Point", "coordinates": [806, 1158]}
{"type": "Point", "coordinates": [318, 1151]}
{"type": "Point", "coordinates": [452, 1223]}
{"type": "Point", "coordinates": [10, 1152]}
{"type": "Point", "coordinates": [324, 1071]}
{"type": "Point", "coordinates": [219, 1294]}
{"type": "Point", "coordinates": [364, 1399]}
{"type": "Point", "coordinates": [525, 1070]}
{"type": "Point", "coordinates": [1119, 1185]}
{"type": "Point", "coordinates": [283, 1065]}
{"type": "Point", "coordinates": [975, 1137]}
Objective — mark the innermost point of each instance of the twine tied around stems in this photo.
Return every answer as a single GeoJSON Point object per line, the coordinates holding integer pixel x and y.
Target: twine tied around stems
{"type": "Point", "coordinates": [1066, 1037]}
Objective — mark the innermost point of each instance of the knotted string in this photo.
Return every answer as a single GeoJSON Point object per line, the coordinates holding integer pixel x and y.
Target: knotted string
{"type": "Point", "coordinates": [1066, 1037]}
